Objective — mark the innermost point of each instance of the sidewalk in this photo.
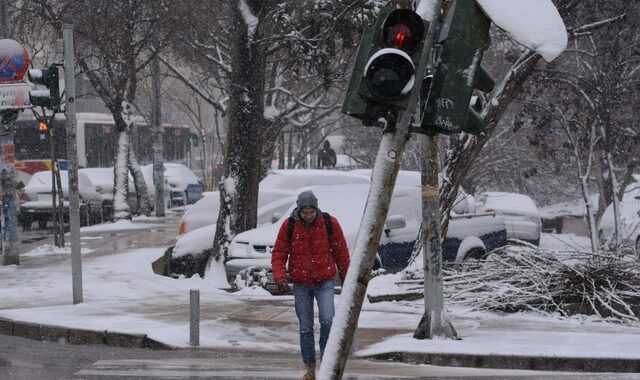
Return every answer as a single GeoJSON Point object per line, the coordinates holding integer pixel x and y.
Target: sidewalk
{"type": "Point", "coordinates": [126, 304]}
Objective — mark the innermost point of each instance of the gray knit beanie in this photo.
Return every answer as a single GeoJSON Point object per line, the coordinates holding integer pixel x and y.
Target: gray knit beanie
{"type": "Point", "coordinates": [307, 199]}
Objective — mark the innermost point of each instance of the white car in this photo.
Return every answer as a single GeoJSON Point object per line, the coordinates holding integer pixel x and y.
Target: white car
{"type": "Point", "coordinates": [252, 249]}
{"type": "Point", "coordinates": [629, 230]}
{"type": "Point", "coordinates": [187, 256]}
{"type": "Point", "coordinates": [184, 187]}
{"type": "Point", "coordinates": [520, 214]}
{"type": "Point", "coordinates": [102, 178]}
{"type": "Point", "coordinates": [39, 206]}
{"type": "Point", "coordinates": [278, 184]}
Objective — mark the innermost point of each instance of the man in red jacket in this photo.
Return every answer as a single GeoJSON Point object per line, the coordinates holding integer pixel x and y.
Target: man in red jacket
{"type": "Point", "coordinates": [312, 254]}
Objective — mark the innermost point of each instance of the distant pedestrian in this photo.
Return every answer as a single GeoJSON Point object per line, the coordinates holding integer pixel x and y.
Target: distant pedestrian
{"type": "Point", "coordinates": [313, 244]}
{"type": "Point", "coordinates": [326, 156]}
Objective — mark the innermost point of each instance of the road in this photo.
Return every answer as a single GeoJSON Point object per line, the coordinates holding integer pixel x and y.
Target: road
{"type": "Point", "coordinates": [26, 359]}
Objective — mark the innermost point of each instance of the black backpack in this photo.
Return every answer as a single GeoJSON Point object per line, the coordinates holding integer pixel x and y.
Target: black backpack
{"type": "Point", "coordinates": [327, 224]}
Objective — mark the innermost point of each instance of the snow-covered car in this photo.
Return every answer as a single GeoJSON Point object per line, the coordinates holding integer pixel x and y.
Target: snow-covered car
{"type": "Point", "coordinates": [39, 206]}
{"type": "Point", "coordinates": [520, 214]}
{"type": "Point", "coordinates": [629, 228]}
{"type": "Point", "coordinates": [184, 187]}
{"type": "Point", "coordinates": [278, 184]}
{"type": "Point", "coordinates": [251, 250]}
{"type": "Point", "coordinates": [102, 178]}
{"type": "Point", "coordinates": [188, 255]}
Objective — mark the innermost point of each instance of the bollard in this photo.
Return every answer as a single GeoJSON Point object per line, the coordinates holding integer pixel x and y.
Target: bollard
{"type": "Point", "coordinates": [194, 317]}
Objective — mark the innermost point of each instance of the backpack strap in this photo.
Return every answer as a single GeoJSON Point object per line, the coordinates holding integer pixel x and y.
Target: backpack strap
{"type": "Point", "coordinates": [327, 224]}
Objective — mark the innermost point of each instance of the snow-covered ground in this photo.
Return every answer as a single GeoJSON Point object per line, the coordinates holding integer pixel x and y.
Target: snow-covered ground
{"type": "Point", "coordinates": [121, 293]}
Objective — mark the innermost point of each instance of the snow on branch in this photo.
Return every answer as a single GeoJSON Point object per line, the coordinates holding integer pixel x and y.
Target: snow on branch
{"type": "Point", "coordinates": [529, 278]}
{"type": "Point", "coordinates": [194, 87]}
{"type": "Point", "coordinates": [586, 29]}
{"type": "Point", "coordinates": [249, 18]}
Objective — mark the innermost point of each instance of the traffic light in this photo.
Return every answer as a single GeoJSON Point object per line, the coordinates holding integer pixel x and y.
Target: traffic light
{"type": "Point", "coordinates": [384, 71]}
{"type": "Point", "coordinates": [464, 37]}
{"type": "Point", "coordinates": [43, 127]}
{"type": "Point", "coordinates": [49, 98]}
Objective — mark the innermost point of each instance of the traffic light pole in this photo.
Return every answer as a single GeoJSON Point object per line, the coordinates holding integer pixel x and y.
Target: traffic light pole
{"type": "Point", "coordinates": [383, 180]}
{"type": "Point", "coordinates": [72, 162]}
{"type": "Point", "coordinates": [156, 125]}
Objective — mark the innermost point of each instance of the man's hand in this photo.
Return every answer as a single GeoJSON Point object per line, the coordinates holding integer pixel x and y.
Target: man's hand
{"type": "Point", "coordinates": [283, 288]}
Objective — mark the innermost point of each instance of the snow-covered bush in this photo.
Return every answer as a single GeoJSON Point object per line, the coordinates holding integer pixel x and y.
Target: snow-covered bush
{"type": "Point", "coordinates": [517, 278]}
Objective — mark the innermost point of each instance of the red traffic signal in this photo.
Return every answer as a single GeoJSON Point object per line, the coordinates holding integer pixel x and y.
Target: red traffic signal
{"type": "Point", "coordinates": [403, 29]}
{"type": "Point", "coordinates": [384, 71]}
{"type": "Point", "coordinates": [390, 71]}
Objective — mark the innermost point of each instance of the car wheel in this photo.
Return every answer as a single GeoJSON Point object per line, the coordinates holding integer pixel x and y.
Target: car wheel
{"type": "Point", "coordinates": [472, 260]}
{"type": "Point", "coordinates": [42, 224]}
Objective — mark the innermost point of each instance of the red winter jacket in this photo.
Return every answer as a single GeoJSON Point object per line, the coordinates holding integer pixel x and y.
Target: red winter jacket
{"type": "Point", "coordinates": [310, 259]}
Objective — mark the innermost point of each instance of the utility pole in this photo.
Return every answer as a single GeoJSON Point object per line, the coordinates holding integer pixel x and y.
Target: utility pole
{"type": "Point", "coordinates": [10, 254]}
{"type": "Point", "coordinates": [432, 322]}
{"type": "Point", "coordinates": [156, 125]}
{"type": "Point", "coordinates": [4, 17]}
{"type": "Point", "coordinates": [380, 101]}
{"type": "Point", "coordinates": [72, 162]}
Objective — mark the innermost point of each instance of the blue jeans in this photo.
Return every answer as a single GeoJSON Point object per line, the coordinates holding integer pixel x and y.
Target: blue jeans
{"type": "Point", "coordinates": [303, 297]}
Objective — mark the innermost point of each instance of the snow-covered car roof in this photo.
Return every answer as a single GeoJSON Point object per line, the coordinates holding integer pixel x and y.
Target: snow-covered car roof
{"type": "Point", "coordinates": [508, 202]}
{"type": "Point", "coordinates": [178, 176]}
{"type": "Point", "coordinates": [40, 182]}
{"type": "Point", "coordinates": [298, 178]}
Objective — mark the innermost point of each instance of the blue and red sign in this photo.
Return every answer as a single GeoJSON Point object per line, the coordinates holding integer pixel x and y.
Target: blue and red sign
{"type": "Point", "coordinates": [14, 61]}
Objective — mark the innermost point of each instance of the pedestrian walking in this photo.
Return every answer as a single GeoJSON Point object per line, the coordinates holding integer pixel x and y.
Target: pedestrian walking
{"type": "Point", "coordinates": [313, 244]}
{"type": "Point", "coordinates": [326, 156]}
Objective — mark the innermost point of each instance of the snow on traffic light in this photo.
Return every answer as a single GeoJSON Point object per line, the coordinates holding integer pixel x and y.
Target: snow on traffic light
{"type": "Point", "coordinates": [49, 98]}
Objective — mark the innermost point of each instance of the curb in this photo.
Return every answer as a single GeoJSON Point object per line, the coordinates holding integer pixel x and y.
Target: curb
{"type": "Point", "coordinates": [536, 363]}
{"type": "Point", "coordinates": [53, 333]}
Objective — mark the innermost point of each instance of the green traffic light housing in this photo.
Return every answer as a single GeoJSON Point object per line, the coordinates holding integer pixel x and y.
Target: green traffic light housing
{"type": "Point", "coordinates": [384, 71]}
{"type": "Point", "coordinates": [464, 37]}
{"type": "Point", "coordinates": [49, 77]}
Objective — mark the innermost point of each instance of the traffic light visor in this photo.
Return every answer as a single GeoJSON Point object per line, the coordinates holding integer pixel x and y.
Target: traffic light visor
{"type": "Point", "coordinates": [390, 74]}
{"type": "Point", "coordinates": [403, 29]}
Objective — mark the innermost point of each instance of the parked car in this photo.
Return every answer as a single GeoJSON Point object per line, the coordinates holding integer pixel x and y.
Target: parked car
{"type": "Point", "coordinates": [39, 206]}
{"type": "Point", "coordinates": [188, 255]}
{"type": "Point", "coordinates": [184, 187]}
{"type": "Point", "coordinates": [629, 229]}
{"type": "Point", "coordinates": [278, 184]}
{"type": "Point", "coordinates": [251, 250]}
{"type": "Point", "coordinates": [102, 178]}
{"type": "Point", "coordinates": [520, 214]}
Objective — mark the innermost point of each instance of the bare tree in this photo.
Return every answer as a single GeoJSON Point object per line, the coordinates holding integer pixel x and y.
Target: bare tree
{"type": "Point", "coordinates": [113, 46]}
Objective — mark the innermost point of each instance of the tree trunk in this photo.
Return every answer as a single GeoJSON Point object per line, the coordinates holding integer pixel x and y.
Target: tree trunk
{"type": "Point", "coordinates": [142, 195]}
{"type": "Point", "coordinates": [239, 185]}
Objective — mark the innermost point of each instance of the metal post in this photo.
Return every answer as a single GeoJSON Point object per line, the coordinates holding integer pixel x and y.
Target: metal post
{"type": "Point", "coordinates": [156, 126]}
{"type": "Point", "coordinates": [194, 317]}
{"type": "Point", "coordinates": [54, 205]}
{"type": "Point", "coordinates": [4, 26]}
{"type": "Point", "coordinates": [10, 254]}
{"type": "Point", "coordinates": [9, 244]}
{"type": "Point", "coordinates": [383, 180]}
{"type": "Point", "coordinates": [72, 162]}
{"type": "Point", "coordinates": [433, 322]}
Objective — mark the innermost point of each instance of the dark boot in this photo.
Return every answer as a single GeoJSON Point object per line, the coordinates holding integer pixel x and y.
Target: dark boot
{"type": "Point", "coordinates": [311, 371]}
